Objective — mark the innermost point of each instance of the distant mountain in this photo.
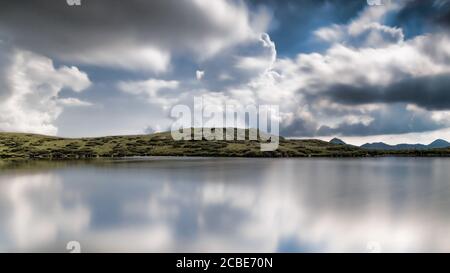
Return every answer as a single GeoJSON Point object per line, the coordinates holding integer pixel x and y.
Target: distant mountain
{"type": "Point", "coordinates": [377, 146]}
{"type": "Point", "coordinates": [337, 141]}
{"type": "Point", "coordinates": [439, 143]}
{"type": "Point", "coordinates": [410, 147]}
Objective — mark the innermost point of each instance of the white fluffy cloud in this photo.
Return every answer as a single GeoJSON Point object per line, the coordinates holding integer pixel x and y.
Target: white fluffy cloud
{"type": "Point", "coordinates": [123, 56]}
{"type": "Point", "coordinates": [141, 36]}
{"type": "Point", "coordinates": [30, 88]}
{"type": "Point", "coordinates": [342, 68]}
{"type": "Point", "coordinates": [151, 90]}
{"type": "Point", "coordinates": [364, 55]}
{"type": "Point", "coordinates": [365, 30]}
{"type": "Point", "coordinates": [347, 65]}
{"type": "Point", "coordinates": [46, 219]}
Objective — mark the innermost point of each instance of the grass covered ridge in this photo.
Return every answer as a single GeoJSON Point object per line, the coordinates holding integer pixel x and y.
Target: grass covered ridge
{"type": "Point", "coordinates": [20, 145]}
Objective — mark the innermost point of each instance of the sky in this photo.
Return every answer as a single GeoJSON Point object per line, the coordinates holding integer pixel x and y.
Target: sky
{"type": "Point", "coordinates": [347, 69]}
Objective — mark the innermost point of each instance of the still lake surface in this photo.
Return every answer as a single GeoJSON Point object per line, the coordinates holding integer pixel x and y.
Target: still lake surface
{"type": "Point", "coordinates": [227, 205]}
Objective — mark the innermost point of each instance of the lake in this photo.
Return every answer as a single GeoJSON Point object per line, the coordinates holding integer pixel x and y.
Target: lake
{"type": "Point", "coordinates": [227, 205]}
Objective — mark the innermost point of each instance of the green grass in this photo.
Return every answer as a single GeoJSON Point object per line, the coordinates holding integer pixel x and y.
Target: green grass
{"type": "Point", "coordinates": [19, 145]}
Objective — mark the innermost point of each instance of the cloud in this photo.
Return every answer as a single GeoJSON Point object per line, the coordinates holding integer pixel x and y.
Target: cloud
{"type": "Point", "coordinates": [150, 90]}
{"type": "Point", "coordinates": [149, 87]}
{"type": "Point", "coordinates": [369, 74]}
{"type": "Point", "coordinates": [37, 211]}
{"type": "Point", "coordinates": [417, 17]}
{"type": "Point", "coordinates": [74, 102]}
{"type": "Point", "coordinates": [346, 90]}
{"type": "Point", "coordinates": [138, 35]}
{"type": "Point", "coordinates": [387, 120]}
{"type": "Point", "coordinates": [301, 125]}
{"type": "Point", "coordinates": [154, 129]}
{"type": "Point", "coordinates": [262, 60]}
{"type": "Point", "coordinates": [240, 88]}
{"type": "Point", "coordinates": [124, 56]}
{"type": "Point", "coordinates": [348, 87]}
{"type": "Point", "coordinates": [29, 90]}
{"type": "Point", "coordinates": [360, 83]}
{"type": "Point", "coordinates": [365, 30]}
{"type": "Point", "coordinates": [430, 92]}
{"type": "Point", "coordinates": [378, 66]}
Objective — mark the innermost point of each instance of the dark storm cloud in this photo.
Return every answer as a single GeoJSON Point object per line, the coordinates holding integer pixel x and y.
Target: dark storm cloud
{"type": "Point", "coordinates": [55, 29]}
{"type": "Point", "coordinates": [393, 120]}
{"type": "Point", "coordinates": [444, 19]}
{"type": "Point", "coordinates": [430, 92]}
{"type": "Point", "coordinates": [5, 59]}
{"type": "Point", "coordinates": [390, 119]}
{"type": "Point", "coordinates": [63, 27]}
{"type": "Point", "coordinates": [299, 127]}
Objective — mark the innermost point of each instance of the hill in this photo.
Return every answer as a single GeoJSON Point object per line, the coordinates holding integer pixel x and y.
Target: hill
{"type": "Point", "coordinates": [18, 145]}
{"type": "Point", "coordinates": [32, 146]}
{"type": "Point", "coordinates": [439, 143]}
{"type": "Point", "coordinates": [337, 141]}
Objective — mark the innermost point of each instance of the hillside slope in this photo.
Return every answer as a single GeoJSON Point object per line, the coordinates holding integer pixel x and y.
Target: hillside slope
{"type": "Point", "coordinates": [16, 145]}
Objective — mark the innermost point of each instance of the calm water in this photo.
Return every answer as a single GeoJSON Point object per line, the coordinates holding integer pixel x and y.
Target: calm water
{"type": "Point", "coordinates": [231, 205]}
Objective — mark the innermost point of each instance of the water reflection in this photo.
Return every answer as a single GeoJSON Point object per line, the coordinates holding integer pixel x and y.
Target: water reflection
{"type": "Point", "coordinates": [169, 204]}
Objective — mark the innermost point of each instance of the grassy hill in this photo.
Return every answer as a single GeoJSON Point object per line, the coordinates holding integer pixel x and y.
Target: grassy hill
{"type": "Point", "coordinates": [18, 145]}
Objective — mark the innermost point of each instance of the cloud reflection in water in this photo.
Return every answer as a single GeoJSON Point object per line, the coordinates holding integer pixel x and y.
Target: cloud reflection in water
{"type": "Point", "coordinates": [228, 205]}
